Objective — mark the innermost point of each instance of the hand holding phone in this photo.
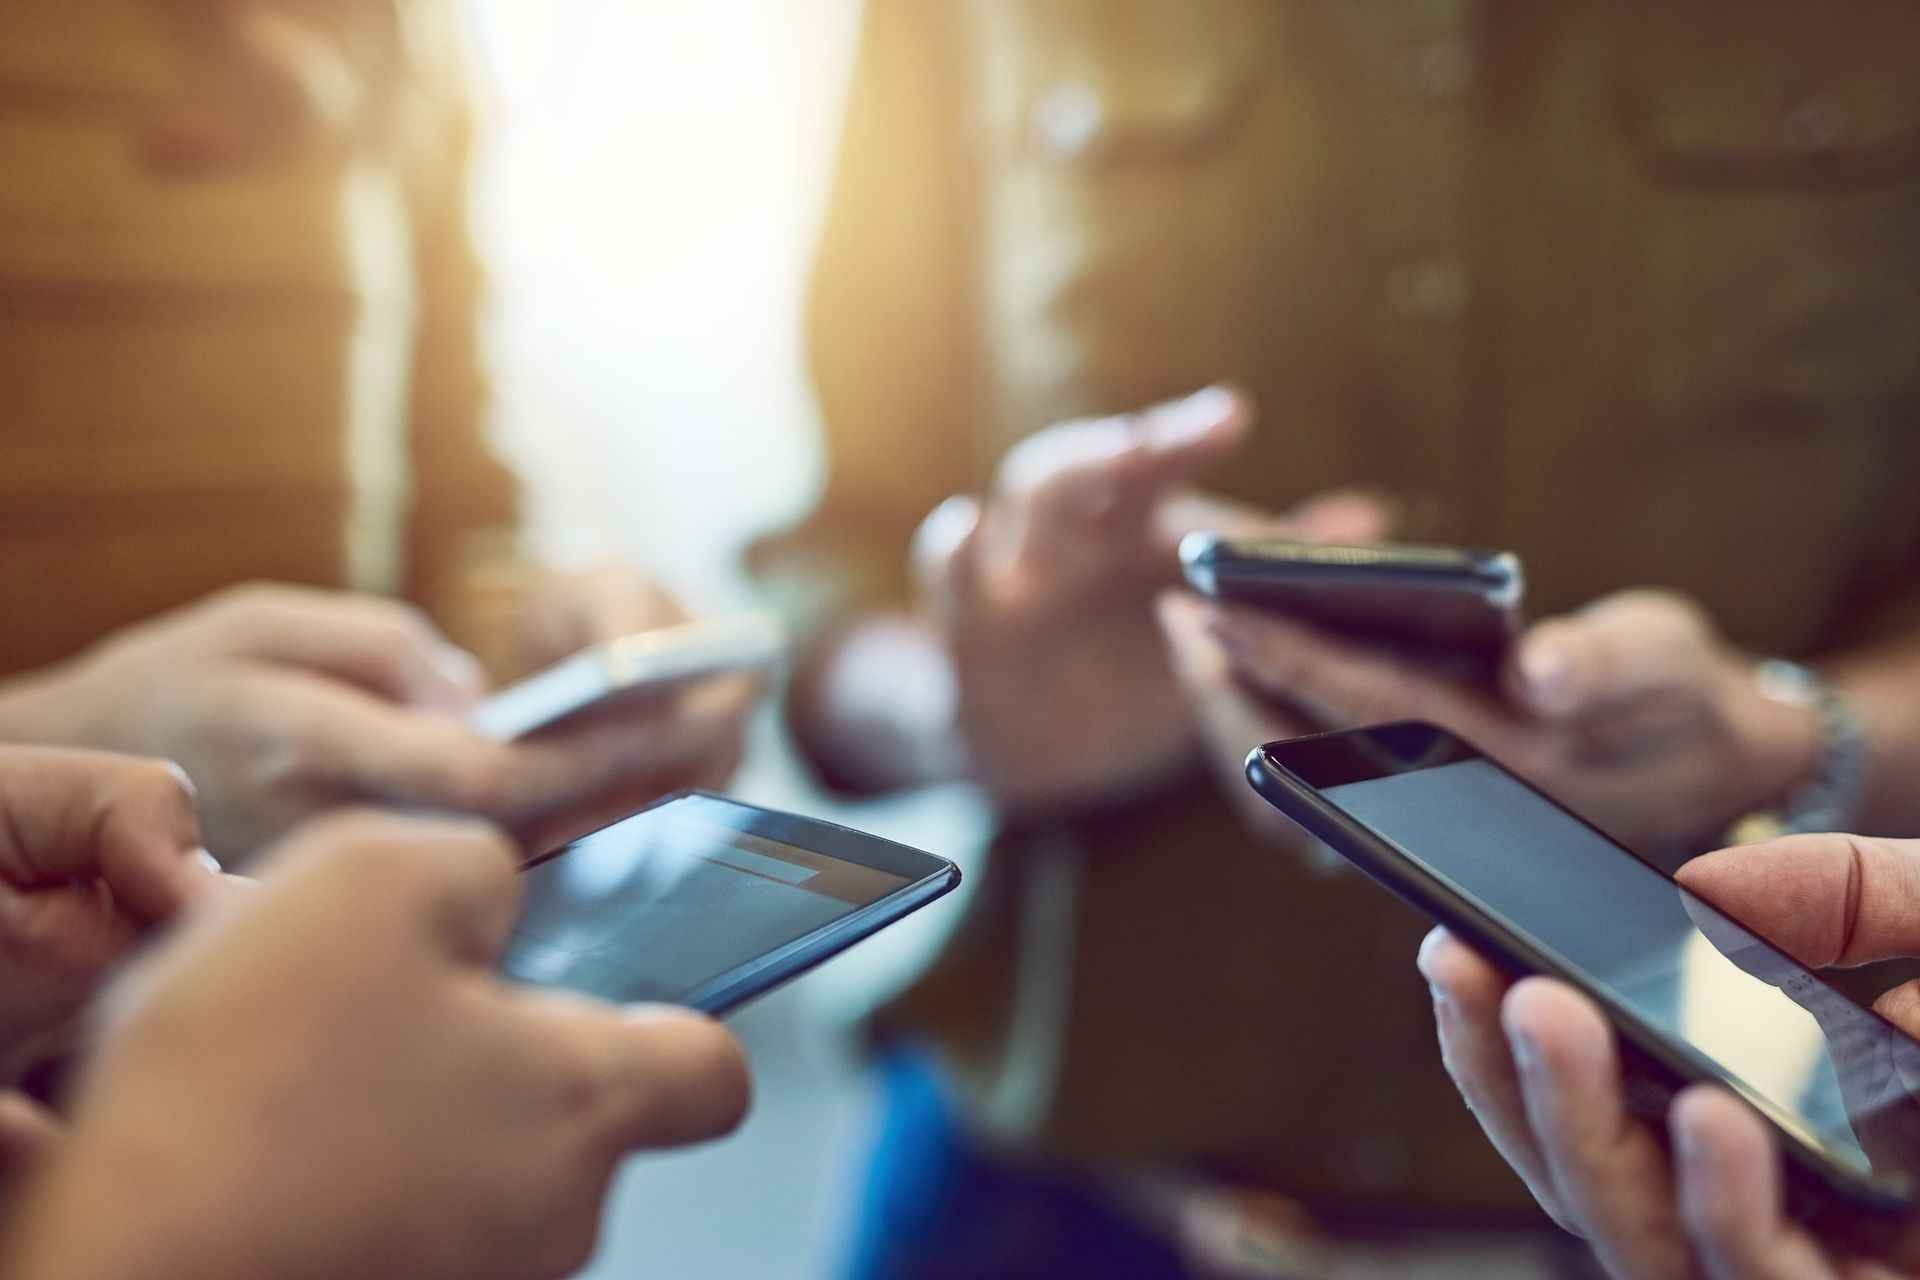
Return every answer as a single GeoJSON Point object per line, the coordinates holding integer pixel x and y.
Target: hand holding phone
{"type": "Point", "coordinates": [336, 1085]}
{"type": "Point", "coordinates": [1442, 602]}
{"type": "Point", "coordinates": [633, 667]}
{"type": "Point", "coordinates": [1693, 991]}
{"type": "Point", "coordinates": [1634, 708]}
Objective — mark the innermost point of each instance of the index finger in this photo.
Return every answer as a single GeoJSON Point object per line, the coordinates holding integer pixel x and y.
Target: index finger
{"type": "Point", "coordinates": [128, 822]}
{"type": "Point", "coordinates": [1109, 474]}
{"type": "Point", "coordinates": [386, 647]}
{"type": "Point", "coordinates": [1467, 996]}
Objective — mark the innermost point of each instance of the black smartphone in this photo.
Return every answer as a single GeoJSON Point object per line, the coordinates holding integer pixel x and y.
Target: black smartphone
{"type": "Point", "coordinates": [705, 902]}
{"type": "Point", "coordinates": [1442, 600]}
{"type": "Point", "coordinates": [1695, 995]}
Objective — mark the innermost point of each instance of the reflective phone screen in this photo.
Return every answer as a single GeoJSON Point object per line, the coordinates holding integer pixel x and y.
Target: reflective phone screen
{"type": "Point", "coordinates": [1819, 1064]}
{"type": "Point", "coordinates": [655, 907]}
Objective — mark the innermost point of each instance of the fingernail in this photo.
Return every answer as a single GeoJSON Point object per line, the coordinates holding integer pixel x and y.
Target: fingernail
{"type": "Point", "coordinates": [459, 668]}
{"type": "Point", "coordinates": [946, 526]}
{"type": "Point", "coordinates": [1194, 418]}
{"type": "Point", "coordinates": [1548, 676]}
{"type": "Point", "coordinates": [1526, 1055]}
{"type": "Point", "coordinates": [185, 779]}
{"type": "Point", "coordinates": [207, 861]}
{"type": "Point", "coordinates": [1687, 1148]}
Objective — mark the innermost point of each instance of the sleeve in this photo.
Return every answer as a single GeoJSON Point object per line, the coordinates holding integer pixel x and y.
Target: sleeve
{"type": "Point", "coordinates": [889, 318]}
{"type": "Point", "coordinates": [465, 501]}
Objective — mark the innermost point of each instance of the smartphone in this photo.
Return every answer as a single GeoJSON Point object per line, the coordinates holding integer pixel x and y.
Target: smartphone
{"type": "Point", "coordinates": [633, 666]}
{"type": "Point", "coordinates": [1437, 599]}
{"type": "Point", "coordinates": [705, 902]}
{"type": "Point", "coordinates": [1695, 995]}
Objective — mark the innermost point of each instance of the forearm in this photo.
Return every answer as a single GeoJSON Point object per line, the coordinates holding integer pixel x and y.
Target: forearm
{"type": "Point", "coordinates": [876, 707]}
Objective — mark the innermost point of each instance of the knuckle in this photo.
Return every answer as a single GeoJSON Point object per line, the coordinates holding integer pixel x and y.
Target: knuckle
{"type": "Point", "coordinates": [160, 783]}
{"type": "Point", "coordinates": [586, 1094]}
{"type": "Point", "coordinates": [402, 622]}
{"type": "Point", "coordinates": [253, 597]}
{"type": "Point", "coordinates": [152, 787]}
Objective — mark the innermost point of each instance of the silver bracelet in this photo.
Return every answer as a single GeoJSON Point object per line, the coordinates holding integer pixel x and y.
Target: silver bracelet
{"type": "Point", "coordinates": [1830, 799]}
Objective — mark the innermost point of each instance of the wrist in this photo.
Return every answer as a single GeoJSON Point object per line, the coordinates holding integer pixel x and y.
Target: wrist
{"type": "Point", "coordinates": [1810, 764]}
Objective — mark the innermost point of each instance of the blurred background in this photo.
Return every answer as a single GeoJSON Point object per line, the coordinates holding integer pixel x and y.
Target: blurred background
{"type": "Point", "coordinates": [650, 187]}
{"type": "Point", "coordinates": [647, 202]}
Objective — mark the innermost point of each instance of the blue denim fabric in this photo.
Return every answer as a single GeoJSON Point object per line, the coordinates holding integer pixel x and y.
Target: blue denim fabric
{"type": "Point", "coordinates": [932, 1208]}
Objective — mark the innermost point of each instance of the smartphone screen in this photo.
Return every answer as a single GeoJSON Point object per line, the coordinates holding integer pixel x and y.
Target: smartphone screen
{"type": "Point", "coordinates": [682, 902]}
{"type": "Point", "coordinates": [1823, 1067]}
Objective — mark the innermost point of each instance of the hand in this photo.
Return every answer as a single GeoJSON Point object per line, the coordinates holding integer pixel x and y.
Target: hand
{"type": "Point", "coordinates": [94, 851]}
{"type": "Point", "coordinates": [1042, 599]}
{"type": "Point", "coordinates": [601, 765]}
{"type": "Point", "coordinates": [521, 617]}
{"type": "Point", "coordinates": [518, 616]}
{"type": "Point", "coordinates": [326, 1079]}
{"type": "Point", "coordinates": [1538, 1065]}
{"type": "Point", "coordinates": [1633, 712]}
{"type": "Point", "coordinates": [282, 703]}
{"type": "Point", "coordinates": [573, 609]}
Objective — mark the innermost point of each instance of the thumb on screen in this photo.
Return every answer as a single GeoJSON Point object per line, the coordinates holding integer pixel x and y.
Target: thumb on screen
{"type": "Point", "coordinates": [1824, 899]}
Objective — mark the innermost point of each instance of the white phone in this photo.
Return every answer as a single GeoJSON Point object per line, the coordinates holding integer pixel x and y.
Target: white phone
{"type": "Point", "coordinates": [642, 663]}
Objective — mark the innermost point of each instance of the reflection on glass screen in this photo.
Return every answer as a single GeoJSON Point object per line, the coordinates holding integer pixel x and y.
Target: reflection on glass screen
{"type": "Point", "coordinates": [656, 906]}
{"type": "Point", "coordinates": [1818, 1063]}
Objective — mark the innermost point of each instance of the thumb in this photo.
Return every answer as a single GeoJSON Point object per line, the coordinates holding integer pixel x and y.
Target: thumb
{"type": "Point", "coordinates": [1611, 651]}
{"type": "Point", "coordinates": [670, 1076]}
{"type": "Point", "coordinates": [1824, 899]}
